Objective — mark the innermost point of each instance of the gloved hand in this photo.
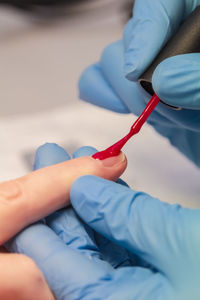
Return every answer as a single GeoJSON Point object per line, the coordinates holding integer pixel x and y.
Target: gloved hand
{"type": "Point", "coordinates": [164, 235]}
{"type": "Point", "coordinates": [80, 264]}
{"type": "Point", "coordinates": [65, 249]}
{"type": "Point", "coordinates": [175, 80]}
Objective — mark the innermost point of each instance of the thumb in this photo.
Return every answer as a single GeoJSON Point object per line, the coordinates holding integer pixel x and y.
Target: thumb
{"type": "Point", "coordinates": [39, 193]}
{"type": "Point", "coordinates": [155, 231]}
{"type": "Point", "coordinates": [176, 81]}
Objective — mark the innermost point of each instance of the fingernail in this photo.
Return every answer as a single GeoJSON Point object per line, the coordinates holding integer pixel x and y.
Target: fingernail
{"type": "Point", "coordinates": [114, 160]}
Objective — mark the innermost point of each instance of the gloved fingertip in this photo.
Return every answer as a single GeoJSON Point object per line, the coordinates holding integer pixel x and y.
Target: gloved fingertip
{"type": "Point", "coordinates": [84, 151]}
{"type": "Point", "coordinates": [49, 154]}
{"type": "Point", "coordinates": [133, 67]}
{"type": "Point", "coordinates": [175, 80]}
{"type": "Point", "coordinates": [48, 147]}
{"type": "Point", "coordinates": [129, 73]}
{"type": "Point", "coordinates": [84, 83]}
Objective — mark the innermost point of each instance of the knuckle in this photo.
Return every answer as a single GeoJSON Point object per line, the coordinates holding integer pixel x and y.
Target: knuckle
{"type": "Point", "coordinates": [11, 190]}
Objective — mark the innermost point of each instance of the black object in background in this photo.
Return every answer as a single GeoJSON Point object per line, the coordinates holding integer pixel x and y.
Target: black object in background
{"type": "Point", "coordinates": [39, 2]}
{"type": "Point", "coordinates": [34, 5]}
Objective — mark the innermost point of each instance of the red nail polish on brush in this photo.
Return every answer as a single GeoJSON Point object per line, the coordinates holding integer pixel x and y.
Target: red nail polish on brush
{"type": "Point", "coordinates": [116, 148]}
{"type": "Point", "coordinates": [186, 40]}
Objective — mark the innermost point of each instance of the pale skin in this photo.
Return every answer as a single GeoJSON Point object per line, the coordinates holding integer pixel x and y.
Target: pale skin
{"type": "Point", "coordinates": [28, 199]}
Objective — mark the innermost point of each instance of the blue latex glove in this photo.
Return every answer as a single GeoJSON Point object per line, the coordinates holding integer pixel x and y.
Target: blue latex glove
{"type": "Point", "coordinates": [175, 80]}
{"type": "Point", "coordinates": [166, 236]}
{"type": "Point", "coordinates": [70, 254]}
{"type": "Point", "coordinates": [80, 264]}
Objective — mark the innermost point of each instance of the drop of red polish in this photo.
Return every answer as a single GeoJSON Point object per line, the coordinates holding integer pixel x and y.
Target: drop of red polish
{"type": "Point", "coordinates": [115, 149]}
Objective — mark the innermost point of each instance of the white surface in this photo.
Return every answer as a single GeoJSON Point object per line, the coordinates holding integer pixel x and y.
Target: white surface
{"type": "Point", "coordinates": [40, 66]}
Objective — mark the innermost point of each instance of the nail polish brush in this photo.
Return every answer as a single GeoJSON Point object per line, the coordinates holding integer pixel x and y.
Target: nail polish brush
{"type": "Point", "coordinates": [186, 40]}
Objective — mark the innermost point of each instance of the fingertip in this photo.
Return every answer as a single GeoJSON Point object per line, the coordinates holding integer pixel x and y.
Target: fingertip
{"type": "Point", "coordinates": [108, 169]}
{"type": "Point", "coordinates": [113, 167]}
{"type": "Point", "coordinates": [112, 161]}
{"type": "Point", "coordinates": [49, 154]}
{"type": "Point", "coordinates": [88, 167]}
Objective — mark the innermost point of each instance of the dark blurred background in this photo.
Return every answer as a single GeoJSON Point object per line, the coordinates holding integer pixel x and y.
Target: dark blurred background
{"type": "Point", "coordinates": [57, 8]}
